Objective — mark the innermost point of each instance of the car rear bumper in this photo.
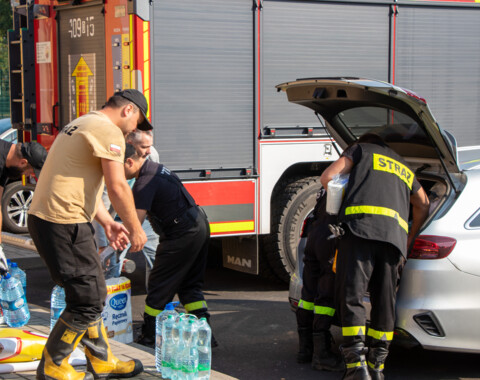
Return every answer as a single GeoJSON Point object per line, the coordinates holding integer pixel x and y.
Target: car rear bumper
{"type": "Point", "coordinates": [433, 312]}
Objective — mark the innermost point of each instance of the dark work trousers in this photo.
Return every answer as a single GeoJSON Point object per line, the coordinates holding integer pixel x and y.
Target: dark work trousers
{"type": "Point", "coordinates": [70, 253]}
{"type": "Point", "coordinates": [363, 264]}
{"type": "Point", "coordinates": [317, 305]}
{"type": "Point", "coordinates": [179, 267]}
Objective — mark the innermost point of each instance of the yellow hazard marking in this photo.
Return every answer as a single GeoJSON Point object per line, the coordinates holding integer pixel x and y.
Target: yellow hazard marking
{"type": "Point", "coordinates": [195, 306]}
{"type": "Point", "coordinates": [81, 74]}
{"type": "Point", "coordinates": [232, 227]}
{"type": "Point", "coordinates": [356, 364]}
{"type": "Point", "coordinates": [389, 165]}
{"type": "Point", "coordinates": [377, 210]}
{"type": "Point", "coordinates": [151, 311]}
{"type": "Point", "coordinates": [68, 336]}
{"type": "Point", "coordinates": [324, 310]}
{"type": "Point", "coordinates": [93, 332]}
{"type": "Point", "coordinates": [378, 367]}
{"type": "Point", "coordinates": [126, 61]}
{"type": "Point", "coordinates": [353, 331]}
{"type": "Point", "coordinates": [380, 335]}
{"type": "Point", "coordinates": [305, 305]}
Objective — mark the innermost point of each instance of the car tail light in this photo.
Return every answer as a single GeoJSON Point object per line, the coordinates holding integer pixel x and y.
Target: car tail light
{"type": "Point", "coordinates": [429, 247]}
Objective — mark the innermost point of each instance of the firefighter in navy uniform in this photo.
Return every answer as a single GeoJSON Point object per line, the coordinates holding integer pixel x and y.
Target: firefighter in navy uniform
{"type": "Point", "coordinates": [181, 256]}
{"type": "Point", "coordinates": [374, 215]}
{"type": "Point", "coordinates": [316, 308]}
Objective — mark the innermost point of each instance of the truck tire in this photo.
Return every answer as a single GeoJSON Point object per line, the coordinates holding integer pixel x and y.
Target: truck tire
{"type": "Point", "coordinates": [291, 204]}
{"type": "Point", "coordinates": [16, 201]}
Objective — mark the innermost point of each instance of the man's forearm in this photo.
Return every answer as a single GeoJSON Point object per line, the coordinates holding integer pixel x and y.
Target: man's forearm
{"type": "Point", "coordinates": [420, 214]}
{"type": "Point", "coordinates": [122, 199]}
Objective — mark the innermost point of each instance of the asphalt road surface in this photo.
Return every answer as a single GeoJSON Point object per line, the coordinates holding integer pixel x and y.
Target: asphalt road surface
{"type": "Point", "coordinates": [256, 330]}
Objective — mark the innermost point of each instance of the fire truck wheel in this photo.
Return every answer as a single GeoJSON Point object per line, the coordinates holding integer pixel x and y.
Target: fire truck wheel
{"type": "Point", "coordinates": [16, 200]}
{"type": "Point", "coordinates": [291, 205]}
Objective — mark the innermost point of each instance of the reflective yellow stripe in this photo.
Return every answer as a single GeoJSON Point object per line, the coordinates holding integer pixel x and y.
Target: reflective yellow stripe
{"type": "Point", "coordinates": [380, 335]}
{"type": "Point", "coordinates": [356, 364]}
{"type": "Point", "coordinates": [389, 165]}
{"type": "Point", "coordinates": [324, 310]}
{"type": "Point", "coordinates": [377, 210]}
{"type": "Point", "coordinates": [151, 311]}
{"type": "Point", "coordinates": [305, 305]}
{"type": "Point", "coordinates": [232, 227]}
{"type": "Point", "coordinates": [353, 330]}
{"type": "Point", "coordinates": [379, 368]}
{"type": "Point", "coordinates": [195, 306]}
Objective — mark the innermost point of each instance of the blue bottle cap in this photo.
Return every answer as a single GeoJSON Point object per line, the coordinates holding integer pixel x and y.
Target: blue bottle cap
{"type": "Point", "coordinates": [171, 305]}
{"type": "Point", "coordinates": [14, 265]}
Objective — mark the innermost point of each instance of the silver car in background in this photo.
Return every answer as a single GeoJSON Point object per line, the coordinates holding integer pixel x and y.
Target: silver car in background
{"type": "Point", "coordinates": [438, 302]}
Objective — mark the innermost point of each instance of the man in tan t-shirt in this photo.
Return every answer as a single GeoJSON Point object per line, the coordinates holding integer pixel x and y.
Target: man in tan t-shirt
{"type": "Point", "coordinates": [87, 152]}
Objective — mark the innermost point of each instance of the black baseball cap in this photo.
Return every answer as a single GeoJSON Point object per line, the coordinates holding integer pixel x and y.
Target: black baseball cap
{"type": "Point", "coordinates": [35, 154]}
{"type": "Point", "coordinates": [139, 100]}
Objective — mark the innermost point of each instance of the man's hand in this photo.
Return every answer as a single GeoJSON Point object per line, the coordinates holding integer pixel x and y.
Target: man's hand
{"type": "Point", "coordinates": [117, 235]}
{"type": "Point", "coordinates": [138, 240]}
{"type": "Point", "coordinates": [3, 262]}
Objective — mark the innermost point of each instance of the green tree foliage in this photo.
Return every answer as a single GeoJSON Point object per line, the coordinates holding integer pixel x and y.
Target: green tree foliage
{"type": "Point", "coordinates": [5, 24]}
{"type": "Point", "coordinates": [5, 18]}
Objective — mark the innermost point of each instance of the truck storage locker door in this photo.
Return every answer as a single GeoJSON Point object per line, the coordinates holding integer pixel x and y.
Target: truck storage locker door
{"type": "Point", "coordinates": [203, 83]}
{"type": "Point", "coordinates": [314, 39]}
{"type": "Point", "coordinates": [437, 56]}
{"type": "Point", "coordinates": [81, 49]}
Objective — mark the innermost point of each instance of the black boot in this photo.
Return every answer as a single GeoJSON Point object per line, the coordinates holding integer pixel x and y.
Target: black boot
{"type": "Point", "coordinates": [147, 338]}
{"type": "Point", "coordinates": [323, 357]}
{"type": "Point", "coordinates": [355, 362]}
{"type": "Point", "coordinates": [61, 342]}
{"type": "Point", "coordinates": [305, 345]}
{"type": "Point", "coordinates": [376, 361]}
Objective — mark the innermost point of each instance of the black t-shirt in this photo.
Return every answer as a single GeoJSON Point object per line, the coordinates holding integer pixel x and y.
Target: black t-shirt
{"type": "Point", "coordinates": [159, 191]}
{"type": "Point", "coordinates": [4, 149]}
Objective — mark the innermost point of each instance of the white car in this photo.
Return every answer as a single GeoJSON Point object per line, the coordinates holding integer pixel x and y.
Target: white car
{"type": "Point", "coordinates": [438, 302]}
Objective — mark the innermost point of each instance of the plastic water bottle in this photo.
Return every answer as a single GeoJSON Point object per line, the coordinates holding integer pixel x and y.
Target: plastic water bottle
{"type": "Point", "coordinates": [57, 304]}
{"type": "Point", "coordinates": [168, 346]}
{"type": "Point", "coordinates": [178, 344]}
{"type": "Point", "coordinates": [204, 349]}
{"type": "Point", "coordinates": [169, 310]}
{"type": "Point", "coordinates": [14, 303]}
{"type": "Point", "coordinates": [2, 318]}
{"type": "Point", "coordinates": [190, 351]}
{"type": "Point", "coordinates": [15, 271]}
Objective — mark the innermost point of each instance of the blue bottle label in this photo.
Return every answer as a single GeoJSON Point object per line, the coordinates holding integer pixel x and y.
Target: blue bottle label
{"type": "Point", "coordinates": [14, 305]}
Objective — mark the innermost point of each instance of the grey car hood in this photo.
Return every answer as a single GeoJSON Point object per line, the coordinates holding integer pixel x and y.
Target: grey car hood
{"type": "Point", "coordinates": [353, 106]}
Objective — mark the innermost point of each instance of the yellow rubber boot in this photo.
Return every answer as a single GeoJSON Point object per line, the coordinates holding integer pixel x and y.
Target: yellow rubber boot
{"type": "Point", "coordinates": [62, 341]}
{"type": "Point", "coordinates": [100, 360]}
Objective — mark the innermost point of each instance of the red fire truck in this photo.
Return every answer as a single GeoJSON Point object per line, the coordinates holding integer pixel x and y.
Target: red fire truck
{"type": "Point", "coordinates": [209, 68]}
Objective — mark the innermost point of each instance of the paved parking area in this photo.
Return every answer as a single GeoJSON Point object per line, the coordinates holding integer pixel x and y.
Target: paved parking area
{"type": "Point", "coordinates": [40, 322]}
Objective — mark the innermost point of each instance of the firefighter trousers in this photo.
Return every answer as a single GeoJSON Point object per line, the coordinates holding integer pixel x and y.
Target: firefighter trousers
{"type": "Point", "coordinates": [179, 268]}
{"type": "Point", "coordinates": [70, 253]}
{"type": "Point", "coordinates": [316, 307]}
{"type": "Point", "coordinates": [366, 264]}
